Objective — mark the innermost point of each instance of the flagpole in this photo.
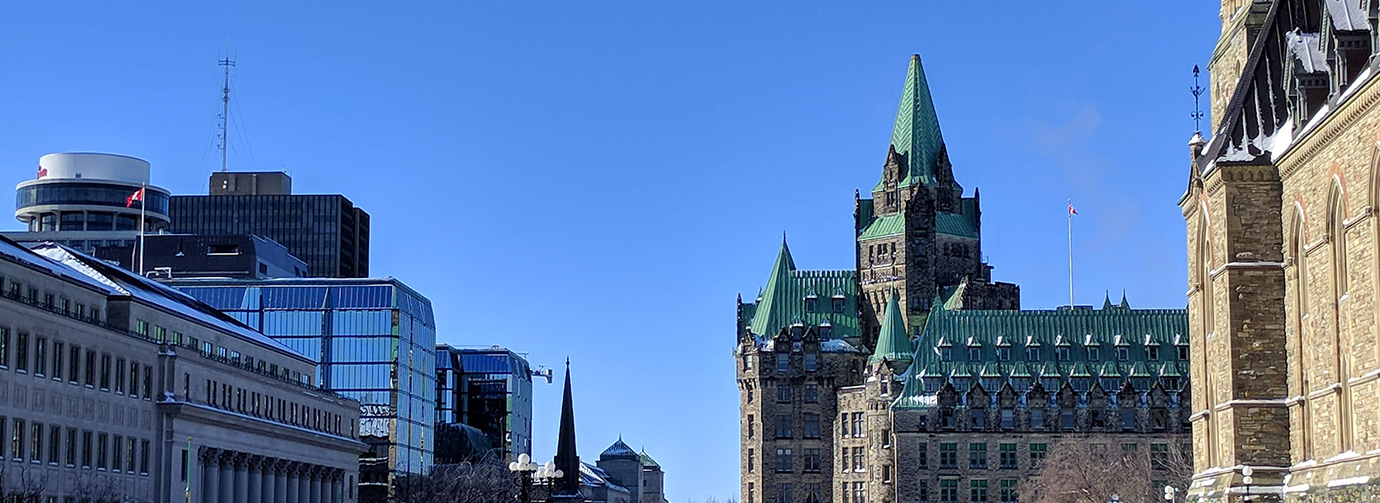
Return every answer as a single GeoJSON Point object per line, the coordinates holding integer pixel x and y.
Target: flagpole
{"type": "Point", "coordinates": [188, 463]}
{"type": "Point", "coordinates": [1070, 253]}
{"type": "Point", "coordinates": [143, 203]}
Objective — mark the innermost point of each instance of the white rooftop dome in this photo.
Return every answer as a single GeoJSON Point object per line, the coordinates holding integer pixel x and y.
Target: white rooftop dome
{"type": "Point", "coordinates": [86, 165]}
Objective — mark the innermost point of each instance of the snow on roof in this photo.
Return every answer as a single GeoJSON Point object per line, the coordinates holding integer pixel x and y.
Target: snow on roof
{"type": "Point", "coordinates": [121, 282]}
{"type": "Point", "coordinates": [29, 257]}
{"type": "Point", "coordinates": [836, 346]}
{"type": "Point", "coordinates": [1305, 47]}
{"type": "Point", "coordinates": [1347, 15]}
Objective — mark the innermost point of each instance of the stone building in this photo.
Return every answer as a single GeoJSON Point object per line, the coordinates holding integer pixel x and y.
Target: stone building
{"type": "Point", "coordinates": [914, 376]}
{"type": "Point", "coordinates": [1280, 212]}
{"type": "Point", "coordinates": [115, 388]}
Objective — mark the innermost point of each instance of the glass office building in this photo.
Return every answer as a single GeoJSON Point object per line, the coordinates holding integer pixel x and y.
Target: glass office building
{"type": "Point", "coordinates": [375, 340]}
{"type": "Point", "coordinates": [489, 389]}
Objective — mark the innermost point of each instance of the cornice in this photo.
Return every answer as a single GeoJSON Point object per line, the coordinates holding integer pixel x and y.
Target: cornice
{"type": "Point", "coordinates": [1344, 115]}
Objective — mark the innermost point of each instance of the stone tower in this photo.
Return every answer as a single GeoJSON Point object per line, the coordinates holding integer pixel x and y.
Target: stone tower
{"type": "Point", "coordinates": [917, 233]}
{"type": "Point", "coordinates": [1241, 22]}
{"type": "Point", "coordinates": [624, 464]}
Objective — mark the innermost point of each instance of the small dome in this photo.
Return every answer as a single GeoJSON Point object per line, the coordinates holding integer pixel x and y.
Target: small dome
{"type": "Point", "coordinates": [619, 450]}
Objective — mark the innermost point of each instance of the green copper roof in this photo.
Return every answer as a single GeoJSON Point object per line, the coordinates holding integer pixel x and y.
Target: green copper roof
{"type": "Point", "coordinates": [916, 131]}
{"type": "Point", "coordinates": [955, 224]}
{"type": "Point", "coordinates": [887, 225]}
{"type": "Point", "coordinates": [648, 462]}
{"type": "Point", "coordinates": [805, 297]}
{"type": "Point", "coordinates": [1079, 347]}
{"type": "Point", "coordinates": [893, 342]}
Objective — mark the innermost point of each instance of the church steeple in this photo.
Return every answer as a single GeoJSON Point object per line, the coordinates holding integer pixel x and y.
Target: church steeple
{"type": "Point", "coordinates": [567, 459]}
{"type": "Point", "coordinates": [915, 136]}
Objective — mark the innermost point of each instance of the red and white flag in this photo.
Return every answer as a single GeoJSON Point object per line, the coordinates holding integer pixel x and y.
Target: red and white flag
{"type": "Point", "coordinates": [1072, 211]}
{"type": "Point", "coordinates": [138, 195]}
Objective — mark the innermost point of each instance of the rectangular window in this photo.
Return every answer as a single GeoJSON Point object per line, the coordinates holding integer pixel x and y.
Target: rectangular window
{"type": "Point", "coordinates": [977, 456]}
{"type": "Point", "coordinates": [148, 382]}
{"type": "Point", "coordinates": [1008, 456]}
{"type": "Point", "coordinates": [21, 352]}
{"type": "Point", "coordinates": [843, 459]}
{"type": "Point", "coordinates": [1094, 354]}
{"type": "Point", "coordinates": [783, 493]}
{"type": "Point", "coordinates": [751, 424]}
{"type": "Point", "coordinates": [1183, 353]}
{"type": "Point", "coordinates": [160, 334]}
{"type": "Point", "coordinates": [1038, 453]}
{"type": "Point", "coordinates": [886, 474]}
{"type": "Point", "coordinates": [783, 363]}
{"type": "Point", "coordinates": [1154, 352]}
{"type": "Point", "coordinates": [783, 460]}
{"type": "Point", "coordinates": [17, 433]}
{"type": "Point", "coordinates": [1123, 353]}
{"type": "Point", "coordinates": [1159, 456]}
{"type": "Point", "coordinates": [838, 304]}
{"type": "Point", "coordinates": [117, 456]}
{"type": "Point", "coordinates": [783, 427]}
{"type": "Point", "coordinates": [1128, 447]}
{"type": "Point", "coordinates": [4, 347]}
{"type": "Point", "coordinates": [948, 490]}
{"type": "Point", "coordinates": [133, 379]}
{"type": "Point", "coordinates": [752, 461]}
{"type": "Point", "coordinates": [90, 368]}
{"type": "Point", "coordinates": [1008, 491]}
{"type": "Point", "coordinates": [978, 487]}
{"type": "Point", "coordinates": [811, 304]}
{"type": "Point", "coordinates": [811, 362]}
{"type": "Point", "coordinates": [859, 493]}
{"type": "Point", "coordinates": [74, 365]}
{"type": "Point", "coordinates": [129, 454]}
{"type": "Point", "coordinates": [783, 393]}
{"type": "Point", "coordinates": [1008, 419]}
{"type": "Point", "coordinates": [40, 356]}
{"type": "Point", "coordinates": [87, 449]}
{"type": "Point", "coordinates": [979, 417]}
{"type": "Point", "coordinates": [811, 393]}
{"type": "Point", "coordinates": [946, 354]}
{"type": "Point", "coordinates": [1066, 420]}
{"type": "Point", "coordinates": [886, 437]}
{"type": "Point", "coordinates": [120, 375]}
{"type": "Point", "coordinates": [144, 457]}
{"type": "Point", "coordinates": [36, 442]}
{"type": "Point", "coordinates": [859, 464]}
{"type": "Point", "coordinates": [1128, 419]}
{"type": "Point", "coordinates": [1037, 419]}
{"type": "Point", "coordinates": [57, 360]}
{"type": "Point", "coordinates": [858, 425]}
{"type": "Point", "coordinates": [1003, 354]}
{"type": "Point", "coordinates": [1062, 353]}
{"type": "Point", "coordinates": [102, 449]}
{"type": "Point", "coordinates": [922, 460]}
{"type": "Point", "coordinates": [54, 444]}
{"type": "Point", "coordinates": [948, 455]}
{"type": "Point", "coordinates": [71, 457]}
{"type": "Point", "coordinates": [141, 327]}
{"type": "Point", "coordinates": [809, 425]}
{"type": "Point", "coordinates": [812, 462]}
{"type": "Point", "coordinates": [1032, 354]}
{"type": "Point", "coordinates": [105, 372]}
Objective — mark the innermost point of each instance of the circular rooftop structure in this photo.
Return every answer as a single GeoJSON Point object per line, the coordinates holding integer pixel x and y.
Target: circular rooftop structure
{"type": "Point", "coordinates": [90, 192]}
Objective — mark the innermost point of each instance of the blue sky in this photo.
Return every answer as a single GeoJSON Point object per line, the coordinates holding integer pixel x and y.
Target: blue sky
{"type": "Point", "coordinates": [598, 180]}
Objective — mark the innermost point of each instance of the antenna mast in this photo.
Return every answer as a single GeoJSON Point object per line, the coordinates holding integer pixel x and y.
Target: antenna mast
{"type": "Point", "coordinates": [1197, 91]}
{"type": "Point", "coordinates": [225, 112]}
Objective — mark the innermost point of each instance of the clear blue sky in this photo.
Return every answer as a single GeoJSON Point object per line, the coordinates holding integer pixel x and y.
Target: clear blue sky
{"type": "Point", "coordinates": [600, 179]}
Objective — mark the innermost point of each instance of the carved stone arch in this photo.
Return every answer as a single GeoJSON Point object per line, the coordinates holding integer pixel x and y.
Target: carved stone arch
{"type": "Point", "coordinates": [1336, 233]}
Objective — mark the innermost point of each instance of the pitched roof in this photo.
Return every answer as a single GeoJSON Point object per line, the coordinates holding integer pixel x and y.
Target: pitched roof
{"type": "Point", "coordinates": [783, 300]}
{"type": "Point", "coordinates": [618, 450]}
{"type": "Point", "coordinates": [648, 462]}
{"type": "Point", "coordinates": [1061, 339]}
{"type": "Point", "coordinates": [955, 224]}
{"type": "Point", "coordinates": [886, 225]}
{"type": "Point", "coordinates": [916, 130]}
{"type": "Point", "coordinates": [893, 343]}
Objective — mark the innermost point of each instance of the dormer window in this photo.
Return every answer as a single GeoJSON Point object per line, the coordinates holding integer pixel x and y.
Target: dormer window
{"type": "Point", "coordinates": [811, 303]}
{"type": "Point", "coordinates": [1183, 353]}
{"type": "Point", "coordinates": [825, 331]}
{"type": "Point", "coordinates": [974, 353]}
{"type": "Point", "coordinates": [838, 303]}
{"type": "Point", "coordinates": [1094, 354]}
{"type": "Point", "coordinates": [1123, 353]}
{"type": "Point", "coordinates": [1032, 354]}
{"type": "Point", "coordinates": [1062, 353]}
{"type": "Point", "coordinates": [946, 354]}
{"type": "Point", "coordinates": [1154, 352]}
{"type": "Point", "coordinates": [1003, 354]}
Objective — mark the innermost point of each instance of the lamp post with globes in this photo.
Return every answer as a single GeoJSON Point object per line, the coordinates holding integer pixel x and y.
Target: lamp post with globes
{"type": "Point", "coordinates": [523, 467]}
{"type": "Point", "coordinates": [547, 475]}
{"type": "Point", "coordinates": [1169, 493]}
{"type": "Point", "coordinates": [1116, 498]}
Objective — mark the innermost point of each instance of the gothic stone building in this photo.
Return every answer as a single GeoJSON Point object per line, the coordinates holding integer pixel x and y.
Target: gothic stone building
{"type": "Point", "coordinates": [914, 377]}
{"type": "Point", "coordinates": [1280, 213]}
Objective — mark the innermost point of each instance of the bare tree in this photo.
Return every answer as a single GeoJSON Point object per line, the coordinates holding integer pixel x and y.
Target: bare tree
{"type": "Point", "coordinates": [99, 489]}
{"type": "Point", "coordinates": [1087, 470]}
{"type": "Point", "coordinates": [21, 482]}
{"type": "Point", "coordinates": [482, 482]}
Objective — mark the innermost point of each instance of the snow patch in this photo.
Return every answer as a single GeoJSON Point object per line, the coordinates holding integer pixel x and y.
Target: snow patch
{"type": "Point", "coordinates": [1348, 481]}
{"type": "Point", "coordinates": [837, 346]}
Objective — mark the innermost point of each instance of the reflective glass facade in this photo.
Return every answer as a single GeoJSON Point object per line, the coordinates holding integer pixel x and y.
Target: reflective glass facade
{"type": "Point", "coordinates": [489, 389]}
{"type": "Point", "coordinates": [375, 340]}
{"type": "Point", "coordinates": [326, 231]}
{"type": "Point", "coordinates": [64, 192]}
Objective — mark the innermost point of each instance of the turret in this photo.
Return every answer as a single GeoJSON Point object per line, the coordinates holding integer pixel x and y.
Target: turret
{"type": "Point", "coordinates": [893, 342]}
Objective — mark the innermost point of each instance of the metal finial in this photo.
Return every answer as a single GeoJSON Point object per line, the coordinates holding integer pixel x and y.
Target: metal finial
{"type": "Point", "coordinates": [1197, 91]}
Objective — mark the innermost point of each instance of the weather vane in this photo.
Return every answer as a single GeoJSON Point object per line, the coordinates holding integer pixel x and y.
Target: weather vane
{"type": "Point", "coordinates": [1197, 91]}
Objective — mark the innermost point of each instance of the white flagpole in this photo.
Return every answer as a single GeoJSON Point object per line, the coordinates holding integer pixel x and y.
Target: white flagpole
{"type": "Point", "coordinates": [144, 198]}
{"type": "Point", "coordinates": [1070, 254]}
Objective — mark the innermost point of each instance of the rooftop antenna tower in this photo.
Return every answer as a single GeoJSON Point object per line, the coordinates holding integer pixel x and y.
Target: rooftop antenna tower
{"type": "Point", "coordinates": [225, 112]}
{"type": "Point", "coordinates": [1197, 91]}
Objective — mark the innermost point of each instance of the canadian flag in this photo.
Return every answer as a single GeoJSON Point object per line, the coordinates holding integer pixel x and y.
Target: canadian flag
{"type": "Point", "coordinates": [138, 195]}
{"type": "Point", "coordinates": [1072, 211]}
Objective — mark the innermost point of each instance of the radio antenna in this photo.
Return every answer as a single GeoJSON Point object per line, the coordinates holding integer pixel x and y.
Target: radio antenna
{"type": "Point", "coordinates": [225, 112]}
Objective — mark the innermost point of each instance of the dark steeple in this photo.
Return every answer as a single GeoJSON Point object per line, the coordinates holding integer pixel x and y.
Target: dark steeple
{"type": "Point", "coordinates": [567, 460]}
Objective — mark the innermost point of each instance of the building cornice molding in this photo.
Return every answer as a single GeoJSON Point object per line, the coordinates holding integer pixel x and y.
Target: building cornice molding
{"type": "Point", "coordinates": [1344, 115]}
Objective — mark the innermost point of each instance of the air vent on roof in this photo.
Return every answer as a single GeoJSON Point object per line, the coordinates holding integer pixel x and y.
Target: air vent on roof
{"type": "Point", "coordinates": [223, 249]}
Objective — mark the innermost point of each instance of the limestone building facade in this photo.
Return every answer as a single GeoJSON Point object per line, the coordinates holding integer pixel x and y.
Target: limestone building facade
{"type": "Point", "coordinates": [112, 386]}
{"type": "Point", "coordinates": [1280, 212]}
{"type": "Point", "coordinates": [915, 377]}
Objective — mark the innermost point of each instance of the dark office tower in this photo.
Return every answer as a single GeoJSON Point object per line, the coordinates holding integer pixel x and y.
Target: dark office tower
{"type": "Point", "coordinates": [326, 231]}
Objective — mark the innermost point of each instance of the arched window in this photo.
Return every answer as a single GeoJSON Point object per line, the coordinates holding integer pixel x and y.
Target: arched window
{"type": "Point", "coordinates": [1203, 275]}
{"type": "Point", "coordinates": [1297, 282]}
{"type": "Point", "coordinates": [1336, 230]}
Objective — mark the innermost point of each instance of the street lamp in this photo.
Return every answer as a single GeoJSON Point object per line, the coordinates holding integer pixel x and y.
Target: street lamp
{"type": "Point", "coordinates": [548, 474]}
{"type": "Point", "coordinates": [524, 468]}
{"type": "Point", "coordinates": [1169, 493]}
{"type": "Point", "coordinates": [1246, 473]}
{"type": "Point", "coordinates": [1116, 498]}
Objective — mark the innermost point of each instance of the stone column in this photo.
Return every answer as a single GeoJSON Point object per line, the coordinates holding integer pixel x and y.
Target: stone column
{"type": "Point", "coordinates": [241, 479]}
{"type": "Point", "coordinates": [256, 476]}
{"type": "Point", "coordinates": [227, 478]}
{"type": "Point", "coordinates": [266, 494]}
{"type": "Point", "coordinates": [337, 487]}
{"type": "Point", "coordinates": [210, 476]}
{"type": "Point", "coordinates": [314, 489]}
{"type": "Point", "coordinates": [304, 484]}
{"type": "Point", "coordinates": [280, 484]}
{"type": "Point", "coordinates": [293, 483]}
